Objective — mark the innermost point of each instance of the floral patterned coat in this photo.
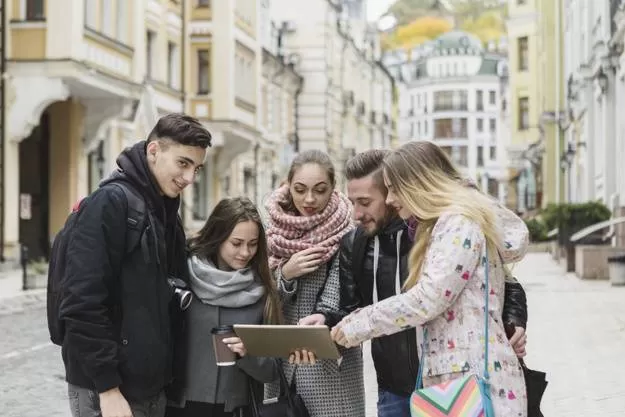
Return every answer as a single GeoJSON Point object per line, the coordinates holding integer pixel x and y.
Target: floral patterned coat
{"type": "Point", "coordinates": [448, 301]}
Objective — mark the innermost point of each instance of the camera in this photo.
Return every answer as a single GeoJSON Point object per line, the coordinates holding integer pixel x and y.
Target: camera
{"type": "Point", "coordinates": [182, 294]}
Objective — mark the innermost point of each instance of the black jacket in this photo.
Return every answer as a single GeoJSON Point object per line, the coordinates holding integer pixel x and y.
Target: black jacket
{"type": "Point", "coordinates": [118, 308]}
{"type": "Point", "coordinates": [395, 356]}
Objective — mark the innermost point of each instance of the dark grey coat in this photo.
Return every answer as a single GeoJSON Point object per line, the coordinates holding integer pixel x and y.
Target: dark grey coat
{"type": "Point", "coordinates": [205, 381]}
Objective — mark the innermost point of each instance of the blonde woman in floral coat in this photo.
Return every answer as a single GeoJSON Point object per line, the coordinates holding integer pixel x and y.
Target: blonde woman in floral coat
{"type": "Point", "coordinates": [307, 219]}
{"type": "Point", "coordinates": [444, 292]}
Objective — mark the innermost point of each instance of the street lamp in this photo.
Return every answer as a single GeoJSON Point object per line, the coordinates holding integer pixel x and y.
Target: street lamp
{"type": "Point", "coordinates": [602, 80]}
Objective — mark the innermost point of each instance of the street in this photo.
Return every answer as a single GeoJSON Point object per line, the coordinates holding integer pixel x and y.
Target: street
{"type": "Point", "coordinates": [576, 334]}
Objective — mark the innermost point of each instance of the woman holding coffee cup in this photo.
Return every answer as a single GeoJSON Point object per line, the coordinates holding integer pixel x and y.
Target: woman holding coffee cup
{"type": "Point", "coordinates": [232, 284]}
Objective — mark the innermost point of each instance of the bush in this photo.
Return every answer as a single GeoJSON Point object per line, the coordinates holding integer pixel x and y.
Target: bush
{"type": "Point", "coordinates": [538, 230]}
{"type": "Point", "coordinates": [571, 218]}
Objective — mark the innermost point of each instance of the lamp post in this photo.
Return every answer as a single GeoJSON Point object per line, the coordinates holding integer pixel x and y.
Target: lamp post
{"type": "Point", "coordinates": [566, 161]}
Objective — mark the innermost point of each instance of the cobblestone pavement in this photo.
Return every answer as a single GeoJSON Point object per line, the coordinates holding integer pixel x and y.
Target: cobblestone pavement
{"type": "Point", "coordinates": [576, 334]}
{"type": "Point", "coordinates": [31, 370]}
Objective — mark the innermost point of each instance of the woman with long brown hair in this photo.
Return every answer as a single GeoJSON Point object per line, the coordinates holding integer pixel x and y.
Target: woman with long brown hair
{"type": "Point", "coordinates": [230, 278]}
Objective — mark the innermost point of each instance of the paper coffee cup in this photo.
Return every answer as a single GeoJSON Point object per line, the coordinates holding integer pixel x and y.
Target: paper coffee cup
{"type": "Point", "coordinates": [223, 355]}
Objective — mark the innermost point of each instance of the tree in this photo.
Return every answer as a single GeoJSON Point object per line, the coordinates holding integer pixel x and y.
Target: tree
{"type": "Point", "coordinates": [420, 30]}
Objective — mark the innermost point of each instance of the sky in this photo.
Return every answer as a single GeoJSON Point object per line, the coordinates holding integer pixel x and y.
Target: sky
{"type": "Point", "coordinates": [375, 8]}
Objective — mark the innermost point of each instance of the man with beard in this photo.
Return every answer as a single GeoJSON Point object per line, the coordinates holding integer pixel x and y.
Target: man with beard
{"type": "Point", "coordinates": [374, 266]}
{"type": "Point", "coordinates": [117, 305]}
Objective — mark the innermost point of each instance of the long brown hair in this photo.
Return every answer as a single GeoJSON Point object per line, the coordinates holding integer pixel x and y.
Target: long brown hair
{"type": "Point", "coordinates": [428, 185]}
{"type": "Point", "coordinates": [225, 216]}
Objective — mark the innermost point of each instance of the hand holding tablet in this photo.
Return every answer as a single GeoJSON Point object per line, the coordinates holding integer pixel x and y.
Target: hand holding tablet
{"type": "Point", "coordinates": [293, 342]}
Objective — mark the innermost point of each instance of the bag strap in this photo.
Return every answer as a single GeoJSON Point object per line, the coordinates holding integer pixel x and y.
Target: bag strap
{"type": "Point", "coordinates": [486, 376]}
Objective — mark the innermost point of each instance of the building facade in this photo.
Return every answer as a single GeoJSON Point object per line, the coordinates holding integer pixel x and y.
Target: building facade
{"type": "Point", "coordinates": [223, 69]}
{"type": "Point", "coordinates": [453, 94]}
{"type": "Point", "coordinates": [595, 95]}
{"type": "Point", "coordinates": [346, 103]}
{"type": "Point", "coordinates": [537, 102]}
{"type": "Point", "coordinates": [90, 77]}
{"type": "Point", "coordinates": [83, 80]}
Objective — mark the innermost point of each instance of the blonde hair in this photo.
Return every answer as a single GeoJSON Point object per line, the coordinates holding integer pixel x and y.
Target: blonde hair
{"type": "Point", "coordinates": [427, 184]}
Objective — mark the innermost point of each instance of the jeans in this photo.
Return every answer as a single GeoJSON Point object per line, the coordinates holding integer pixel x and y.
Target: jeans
{"type": "Point", "coordinates": [393, 405]}
{"type": "Point", "coordinates": [86, 403]}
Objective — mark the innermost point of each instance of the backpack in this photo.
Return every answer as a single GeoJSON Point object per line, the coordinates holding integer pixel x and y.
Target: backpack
{"type": "Point", "coordinates": [137, 219]}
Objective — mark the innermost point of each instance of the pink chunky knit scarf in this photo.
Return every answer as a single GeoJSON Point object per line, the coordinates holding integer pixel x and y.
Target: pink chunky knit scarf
{"type": "Point", "coordinates": [289, 233]}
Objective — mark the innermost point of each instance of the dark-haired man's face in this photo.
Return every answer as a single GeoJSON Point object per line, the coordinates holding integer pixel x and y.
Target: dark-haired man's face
{"type": "Point", "coordinates": [174, 166]}
{"type": "Point", "coordinates": [369, 200]}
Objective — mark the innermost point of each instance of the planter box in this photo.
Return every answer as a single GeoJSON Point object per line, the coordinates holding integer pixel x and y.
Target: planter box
{"type": "Point", "coordinates": [554, 249]}
{"type": "Point", "coordinates": [539, 247]}
{"type": "Point", "coordinates": [591, 261]}
{"type": "Point", "coordinates": [36, 281]}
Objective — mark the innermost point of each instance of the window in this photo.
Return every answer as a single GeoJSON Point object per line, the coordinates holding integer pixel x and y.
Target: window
{"type": "Point", "coordinates": [524, 113]}
{"type": "Point", "coordinates": [34, 10]}
{"type": "Point", "coordinates": [91, 14]}
{"type": "Point", "coordinates": [425, 127]}
{"type": "Point", "coordinates": [122, 21]}
{"type": "Point", "coordinates": [451, 100]}
{"type": "Point", "coordinates": [480, 125]}
{"type": "Point", "coordinates": [172, 60]}
{"type": "Point", "coordinates": [492, 98]}
{"type": "Point", "coordinates": [493, 187]}
{"type": "Point", "coordinates": [457, 154]}
{"type": "Point", "coordinates": [150, 40]}
{"type": "Point", "coordinates": [107, 18]}
{"type": "Point", "coordinates": [492, 125]}
{"type": "Point", "coordinates": [200, 196]}
{"type": "Point", "coordinates": [203, 3]}
{"type": "Point", "coordinates": [480, 156]}
{"type": "Point", "coordinates": [523, 54]}
{"type": "Point", "coordinates": [450, 128]}
{"type": "Point", "coordinates": [479, 99]}
{"type": "Point", "coordinates": [248, 184]}
{"type": "Point", "coordinates": [521, 2]}
{"type": "Point", "coordinates": [493, 153]}
{"type": "Point", "coordinates": [203, 72]}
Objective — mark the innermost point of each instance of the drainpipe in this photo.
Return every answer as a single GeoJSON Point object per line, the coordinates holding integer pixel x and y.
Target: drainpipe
{"type": "Point", "coordinates": [183, 78]}
{"type": "Point", "coordinates": [298, 92]}
{"type": "Point", "coordinates": [557, 106]}
{"type": "Point", "coordinates": [2, 124]}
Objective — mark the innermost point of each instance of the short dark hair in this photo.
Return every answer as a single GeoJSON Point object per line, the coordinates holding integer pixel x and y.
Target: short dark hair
{"type": "Point", "coordinates": [367, 163]}
{"type": "Point", "coordinates": [181, 129]}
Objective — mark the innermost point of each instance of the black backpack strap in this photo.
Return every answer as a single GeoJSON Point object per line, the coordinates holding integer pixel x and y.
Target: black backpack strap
{"type": "Point", "coordinates": [137, 220]}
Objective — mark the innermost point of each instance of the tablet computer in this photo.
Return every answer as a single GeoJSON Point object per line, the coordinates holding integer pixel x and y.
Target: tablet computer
{"type": "Point", "coordinates": [279, 341]}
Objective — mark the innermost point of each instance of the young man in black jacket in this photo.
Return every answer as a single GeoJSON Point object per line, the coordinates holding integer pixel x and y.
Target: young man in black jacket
{"type": "Point", "coordinates": [374, 266]}
{"type": "Point", "coordinates": [118, 306]}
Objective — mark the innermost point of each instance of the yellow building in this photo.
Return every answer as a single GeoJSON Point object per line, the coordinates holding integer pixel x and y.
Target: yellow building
{"type": "Point", "coordinates": [84, 80]}
{"type": "Point", "coordinates": [535, 35]}
{"type": "Point", "coordinates": [87, 78]}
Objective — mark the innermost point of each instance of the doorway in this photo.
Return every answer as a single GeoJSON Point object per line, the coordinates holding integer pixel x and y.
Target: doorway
{"type": "Point", "coordinates": [34, 201]}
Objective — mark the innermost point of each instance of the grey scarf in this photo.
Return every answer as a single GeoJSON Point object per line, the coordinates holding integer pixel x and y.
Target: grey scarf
{"type": "Point", "coordinates": [230, 289]}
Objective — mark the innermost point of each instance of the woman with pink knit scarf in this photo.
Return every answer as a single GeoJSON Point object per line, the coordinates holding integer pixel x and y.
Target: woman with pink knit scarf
{"type": "Point", "coordinates": [307, 219]}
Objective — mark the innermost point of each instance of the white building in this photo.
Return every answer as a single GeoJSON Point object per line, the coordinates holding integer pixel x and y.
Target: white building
{"type": "Point", "coordinates": [453, 94]}
{"type": "Point", "coordinates": [594, 161]}
{"type": "Point", "coordinates": [347, 98]}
